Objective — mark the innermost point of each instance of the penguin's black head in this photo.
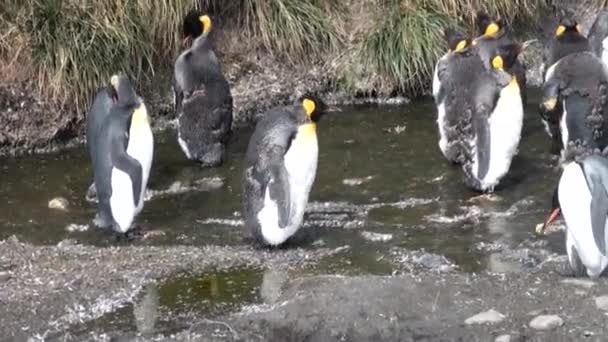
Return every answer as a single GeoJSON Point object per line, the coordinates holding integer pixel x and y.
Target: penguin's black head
{"type": "Point", "coordinates": [315, 107]}
{"type": "Point", "coordinates": [456, 40]}
{"type": "Point", "coordinates": [487, 26]}
{"type": "Point", "coordinates": [567, 27]}
{"type": "Point", "coordinates": [195, 24]}
{"type": "Point", "coordinates": [505, 56]}
{"type": "Point", "coordinates": [123, 91]}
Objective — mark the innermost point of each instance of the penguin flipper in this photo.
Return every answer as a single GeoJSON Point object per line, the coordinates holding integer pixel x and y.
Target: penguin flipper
{"type": "Point", "coordinates": [127, 164]}
{"type": "Point", "coordinates": [599, 212]}
{"type": "Point", "coordinates": [598, 183]}
{"type": "Point", "coordinates": [278, 188]}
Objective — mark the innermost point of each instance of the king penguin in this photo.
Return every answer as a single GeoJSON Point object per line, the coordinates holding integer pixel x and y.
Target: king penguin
{"type": "Point", "coordinates": [581, 196]}
{"type": "Point", "coordinates": [122, 158]}
{"type": "Point", "coordinates": [598, 35]}
{"type": "Point", "coordinates": [105, 98]}
{"type": "Point", "coordinates": [442, 81]}
{"type": "Point", "coordinates": [492, 33]}
{"type": "Point", "coordinates": [203, 102]}
{"type": "Point", "coordinates": [496, 122]}
{"type": "Point", "coordinates": [279, 169]}
{"type": "Point", "coordinates": [574, 105]}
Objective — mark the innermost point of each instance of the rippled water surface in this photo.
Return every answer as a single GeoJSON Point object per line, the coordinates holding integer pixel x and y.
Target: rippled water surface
{"type": "Point", "coordinates": [382, 185]}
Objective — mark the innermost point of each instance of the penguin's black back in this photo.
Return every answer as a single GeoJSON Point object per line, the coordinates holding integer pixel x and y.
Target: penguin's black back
{"type": "Point", "coordinates": [99, 112]}
{"type": "Point", "coordinates": [462, 73]}
{"type": "Point", "coordinates": [203, 103]}
{"type": "Point", "coordinates": [584, 87]}
{"type": "Point", "coordinates": [566, 44]}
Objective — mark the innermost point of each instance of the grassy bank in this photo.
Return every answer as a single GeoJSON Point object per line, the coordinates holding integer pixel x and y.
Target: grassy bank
{"type": "Point", "coordinates": [65, 49]}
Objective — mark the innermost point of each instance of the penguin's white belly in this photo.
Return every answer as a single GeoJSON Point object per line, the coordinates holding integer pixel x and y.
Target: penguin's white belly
{"type": "Point", "coordinates": [605, 51]}
{"type": "Point", "coordinates": [301, 164]}
{"type": "Point", "coordinates": [141, 148]}
{"type": "Point", "coordinates": [505, 132]}
{"type": "Point", "coordinates": [575, 202]}
{"type": "Point", "coordinates": [121, 202]}
{"type": "Point", "coordinates": [181, 141]}
{"type": "Point", "coordinates": [443, 140]}
{"type": "Point", "coordinates": [563, 126]}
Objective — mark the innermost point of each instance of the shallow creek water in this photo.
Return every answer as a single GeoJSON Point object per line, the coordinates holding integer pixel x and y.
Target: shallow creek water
{"type": "Point", "coordinates": [382, 186]}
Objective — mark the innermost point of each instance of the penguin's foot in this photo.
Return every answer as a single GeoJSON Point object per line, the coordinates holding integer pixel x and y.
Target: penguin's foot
{"type": "Point", "coordinates": [91, 195]}
{"type": "Point", "coordinates": [100, 222]}
{"type": "Point", "coordinates": [135, 233]}
{"type": "Point", "coordinates": [564, 270]}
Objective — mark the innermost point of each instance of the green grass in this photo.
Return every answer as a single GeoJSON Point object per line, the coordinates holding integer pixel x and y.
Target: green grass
{"type": "Point", "coordinates": [70, 47]}
{"type": "Point", "coordinates": [74, 46]}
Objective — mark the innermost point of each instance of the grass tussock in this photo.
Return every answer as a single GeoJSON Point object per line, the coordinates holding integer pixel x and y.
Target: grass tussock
{"type": "Point", "coordinates": [294, 30]}
{"type": "Point", "coordinates": [408, 39]}
{"type": "Point", "coordinates": [74, 46]}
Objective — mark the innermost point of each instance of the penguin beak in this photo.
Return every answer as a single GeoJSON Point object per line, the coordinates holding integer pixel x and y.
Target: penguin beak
{"type": "Point", "coordinates": [333, 109]}
{"type": "Point", "coordinates": [554, 214]}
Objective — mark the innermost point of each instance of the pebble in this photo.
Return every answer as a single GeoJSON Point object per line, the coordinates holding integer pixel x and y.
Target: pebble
{"type": "Point", "coordinates": [5, 276]}
{"type": "Point", "coordinates": [77, 227]}
{"type": "Point", "coordinates": [602, 302]}
{"type": "Point", "coordinates": [503, 338]}
{"type": "Point", "coordinates": [376, 237]}
{"type": "Point", "coordinates": [356, 181]}
{"type": "Point", "coordinates": [546, 322]}
{"type": "Point", "coordinates": [579, 282]}
{"type": "Point", "coordinates": [490, 316]}
{"type": "Point", "coordinates": [59, 203]}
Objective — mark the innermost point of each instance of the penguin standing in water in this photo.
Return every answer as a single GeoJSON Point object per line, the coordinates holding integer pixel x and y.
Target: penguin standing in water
{"type": "Point", "coordinates": [122, 158]}
{"type": "Point", "coordinates": [581, 196]}
{"type": "Point", "coordinates": [574, 106]}
{"type": "Point", "coordinates": [496, 122]}
{"type": "Point", "coordinates": [456, 72]}
{"type": "Point", "coordinates": [279, 170]}
{"type": "Point", "coordinates": [492, 33]}
{"type": "Point", "coordinates": [98, 114]}
{"type": "Point", "coordinates": [598, 35]}
{"type": "Point", "coordinates": [456, 43]}
{"type": "Point", "coordinates": [203, 103]}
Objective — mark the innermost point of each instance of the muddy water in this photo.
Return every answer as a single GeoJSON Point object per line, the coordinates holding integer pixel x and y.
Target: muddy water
{"type": "Point", "coordinates": [382, 186]}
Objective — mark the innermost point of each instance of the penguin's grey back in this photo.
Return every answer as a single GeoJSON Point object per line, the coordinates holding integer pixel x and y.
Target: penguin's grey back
{"type": "Point", "coordinates": [598, 32]}
{"type": "Point", "coordinates": [583, 79]}
{"type": "Point", "coordinates": [99, 112]}
{"type": "Point", "coordinates": [462, 73]}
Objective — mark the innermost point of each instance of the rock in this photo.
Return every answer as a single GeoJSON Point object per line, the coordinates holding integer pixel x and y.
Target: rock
{"type": "Point", "coordinates": [77, 227]}
{"type": "Point", "coordinates": [503, 338]}
{"type": "Point", "coordinates": [546, 322]}
{"type": "Point", "coordinates": [59, 203]}
{"type": "Point", "coordinates": [376, 237]}
{"type": "Point", "coordinates": [5, 276]}
{"type": "Point", "coordinates": [356, 181]}
{"type": "Point", "coordinates": [579, 282]}
{"type": "Point", "coordinates": [491, 316]}
{"type": "Point", "coordinates": [602, 302]}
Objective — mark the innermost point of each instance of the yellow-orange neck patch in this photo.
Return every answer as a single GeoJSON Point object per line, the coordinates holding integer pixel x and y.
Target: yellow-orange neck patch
{"type": "Point", "coordinates": [309, 106]}
{"type": "Point", "coordinates": [560, 30]}
{"type": "Point", "coordinates": [206, 22]}
{"type": "Point", "coordinates": [497, 62]}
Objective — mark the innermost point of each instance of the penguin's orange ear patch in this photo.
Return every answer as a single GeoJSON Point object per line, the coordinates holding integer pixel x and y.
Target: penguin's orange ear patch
{"type": "Point", "coordinates": [578, 28]}
{"type": "Point", "coordinates": [560, 30]}
{"type": "Point", "coordinates": [491, 29]}
{"type": "Point", "coordinates": [309, 106]}
{"type": "Point", "coordinates": [461, 45]}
